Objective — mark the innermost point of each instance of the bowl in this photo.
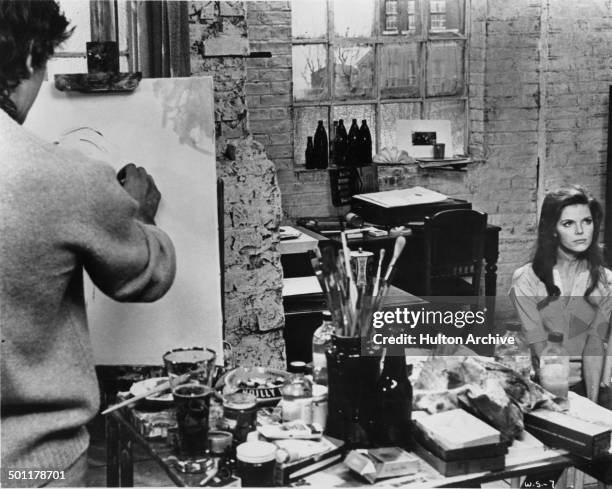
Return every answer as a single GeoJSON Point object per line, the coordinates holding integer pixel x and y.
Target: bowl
{"type": "Point", "coordinates": [264, 383]}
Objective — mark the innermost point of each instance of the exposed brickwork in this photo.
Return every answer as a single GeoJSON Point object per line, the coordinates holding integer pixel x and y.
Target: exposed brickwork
{"type": "Point", "coordinates": [253, 276]}
{"type": "Point", "coordinates": [269, 85]}
{"type": "Point", "coordinates": [253, 303]}
{"type": "Point", "coordinates": [578, 76]}
{"type": "Point", "coordinates": [538, 84]}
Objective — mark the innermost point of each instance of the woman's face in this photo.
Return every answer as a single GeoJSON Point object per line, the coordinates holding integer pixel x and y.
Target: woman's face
{"type": "Point", "coordinates": [575, 228]}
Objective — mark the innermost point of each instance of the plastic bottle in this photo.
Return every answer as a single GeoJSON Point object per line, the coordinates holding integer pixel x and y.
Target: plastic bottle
{"type": "Point", "coordinates": [320, 146]}
{"type": "Point", "coordinates": [365, 142]}
{"type": "Point", "coordinates": [513, 351]}
{"type": "Point", "coordinates": [296, 400]}
{"type": "Point", "coordinates": [353, 156]}
{"type": "Point", "coordinates": [554, 366]}
{"type": "Point", "coordinates": [393, 404]}
{"type": "Point", "coordinates": [340, 144]}
{"type": "Point", "coordinates": [310, 154]}
{"type": "Point", "coordinates": [321, 342]}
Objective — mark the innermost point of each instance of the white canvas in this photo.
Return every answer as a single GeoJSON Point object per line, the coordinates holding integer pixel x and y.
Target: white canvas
{"type": "Point", "coordinates": [406, 128]}
{"type": "Point", "coordinates": [166, 126]}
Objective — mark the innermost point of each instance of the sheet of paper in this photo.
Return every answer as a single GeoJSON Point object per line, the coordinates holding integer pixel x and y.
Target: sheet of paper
{"type": "Point", "coordinates": [167, 126]}
{"type": "Point", "coordinates": [403, 197]}
{"type": "Point", "coordinates": [301, 286]}
{"type": "Point", "coordinates": [301, 244]}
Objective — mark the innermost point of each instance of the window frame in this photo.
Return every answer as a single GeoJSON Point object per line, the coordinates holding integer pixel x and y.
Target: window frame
{"type": "Point", "coordinates": [104, 26]}
{"type": "Point", "coordinates": [422, 36]}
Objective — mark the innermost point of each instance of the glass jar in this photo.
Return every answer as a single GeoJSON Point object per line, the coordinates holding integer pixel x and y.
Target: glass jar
{"type": "Point", "coordinates": [554, 366]}
{"type": "Point", "coordinates": [296, 403]}
{"type": "Point", "coordinates": [321, 341]}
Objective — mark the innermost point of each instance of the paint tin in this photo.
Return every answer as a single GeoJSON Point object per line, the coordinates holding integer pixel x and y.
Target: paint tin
{"type": "Point", "coordinates": [255, 463]}
{"type": "Point", "coordinates": [240, 414]}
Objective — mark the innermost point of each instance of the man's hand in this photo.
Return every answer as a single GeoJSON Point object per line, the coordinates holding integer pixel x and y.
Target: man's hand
{"type": "Point", "coordinates": [140, 185]}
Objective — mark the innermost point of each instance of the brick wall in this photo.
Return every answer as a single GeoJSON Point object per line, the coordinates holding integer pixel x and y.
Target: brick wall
{"type": "Point", "coordinates": [253, 276]}
{"type": "Point", "coordinates": [538, 84]}
{"type": "Point", "coordinates": [578, 73]}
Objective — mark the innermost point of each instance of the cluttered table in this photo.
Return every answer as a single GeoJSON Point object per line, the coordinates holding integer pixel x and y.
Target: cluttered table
{"type": "Point", "coordinates": [365, 413]}
{"type": "Point", "coordinates": [149, 429]}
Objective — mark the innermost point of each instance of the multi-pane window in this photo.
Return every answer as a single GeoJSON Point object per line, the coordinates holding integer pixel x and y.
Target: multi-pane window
{"type": "Point", "coordinates": [89, 20]}
{"type": "Point", "coordinates": [379, 60]}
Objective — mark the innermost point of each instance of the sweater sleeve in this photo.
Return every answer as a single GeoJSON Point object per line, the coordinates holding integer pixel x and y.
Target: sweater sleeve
{"type": "Point", "coordinates": [126, 259]}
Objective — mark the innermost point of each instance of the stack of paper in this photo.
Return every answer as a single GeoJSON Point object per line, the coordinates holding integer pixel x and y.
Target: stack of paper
{"type": "Point", "coordinates": [403, 197]}
{"type": "Point", "coordinates": [457, 429]}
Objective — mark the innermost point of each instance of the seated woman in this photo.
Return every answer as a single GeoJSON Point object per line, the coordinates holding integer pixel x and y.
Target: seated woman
{"type": "Point", "coordinates": [567, 289]}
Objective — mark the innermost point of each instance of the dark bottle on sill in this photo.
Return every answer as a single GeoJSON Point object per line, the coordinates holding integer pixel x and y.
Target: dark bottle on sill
{"type": "Point", "coordinates": [353, 156]}
{"type": "Point", "coordinates": [310, 154]}
{"type": "Point", "coordinates": [320, 146]}
{"type": "Point", "coordinates": [332, 142]}
{"type": "Point", "coordinates": [365, 142]}
{"type": "Point", "coordinates": [340, 145]}
{"type": "Point", "coordinates": [392, 425]}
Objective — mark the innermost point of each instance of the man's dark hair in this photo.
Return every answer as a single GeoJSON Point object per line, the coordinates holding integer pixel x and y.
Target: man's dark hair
{"type": "Point", "coordinates": [27, 27]}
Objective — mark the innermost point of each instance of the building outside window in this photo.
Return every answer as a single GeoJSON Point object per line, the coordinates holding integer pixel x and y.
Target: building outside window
{"type": "Point", "coordinates": [379, 60]}
{"type": "Point", "coordinates": [438, 15]}
{"type": "Point", "coordinates": [102, 20]}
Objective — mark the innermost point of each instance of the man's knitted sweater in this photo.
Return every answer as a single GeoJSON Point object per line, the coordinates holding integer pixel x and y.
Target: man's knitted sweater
{"type": "Point", "coordinates": [59, 214]}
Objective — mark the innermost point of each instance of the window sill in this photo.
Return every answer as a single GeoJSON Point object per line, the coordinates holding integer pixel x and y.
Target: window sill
{"type": "Point", "coordinates": [454, 165]}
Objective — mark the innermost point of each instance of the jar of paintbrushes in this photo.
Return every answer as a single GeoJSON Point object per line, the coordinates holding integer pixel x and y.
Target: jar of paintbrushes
{"type": "Point", "coordinates": [354, 291]}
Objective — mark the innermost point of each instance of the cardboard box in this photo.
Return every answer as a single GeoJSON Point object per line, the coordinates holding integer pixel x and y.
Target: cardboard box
{"type": "Point", "coordinates": [456, 429]}
{"type": "Point", "coordinates": [460, 467]}
{"type": "Point", "coordinates": [380, 463]}
{"type": "Point", "coordinates": [559, 430]}
{"type": "Point", "coordinates": [289, 472]}
{"type": "Point", "coordinates": [491, 449]}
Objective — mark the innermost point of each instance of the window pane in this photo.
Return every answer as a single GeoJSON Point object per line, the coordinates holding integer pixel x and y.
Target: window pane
{"type": "Point", "coordinates": [305, 122]}
{"type": "Point", "coordinates": [445, 68]}
{"type": "Point", "coordinates": [354, 72]}
{"type": "Point", "coordinates": [310, 72]}
{"type": "Point", "coordinates": [446, 16]}
{"type": "Point", "coordinates": [359, 112]}
{"type": "Point", "coordinates": [389, 114]}
{"type": "Point", "coordinates": [354, 18]}
{"type": "Point", "coordinates": [399, 71]}
{"type": "Point", "coordinates": [453, 110]}
{"type": "Point", "coordinates": [60, 66]}
{"type": "Point", "coordinates": [77, 12]}
{"type": "Point", "coordinates": [411, 24]}
{"type": "Point", "coordinates": [400, 17]}
{"type": "Point", "coordinates": [309, 18]}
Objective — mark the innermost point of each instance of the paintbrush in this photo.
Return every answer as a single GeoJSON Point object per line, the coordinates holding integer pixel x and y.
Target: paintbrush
{"type": "Point", "coordinates": [164, 386]}
{"type": "Point", "coordinates": [381, 257]}
{"type": "Point", "coordinates": [349, 272]}
{"type": "Point", "coordinates": [400, 242]}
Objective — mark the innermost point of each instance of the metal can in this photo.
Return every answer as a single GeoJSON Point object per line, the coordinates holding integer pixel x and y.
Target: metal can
{"type": "Point", "coordinates": [240, 414]}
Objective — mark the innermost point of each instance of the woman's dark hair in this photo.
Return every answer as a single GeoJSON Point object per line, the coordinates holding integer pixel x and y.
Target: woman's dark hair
{"type": "Point", "coordinates": [27, 27]}
{"type": "Point", "coordinates": [547, 245]}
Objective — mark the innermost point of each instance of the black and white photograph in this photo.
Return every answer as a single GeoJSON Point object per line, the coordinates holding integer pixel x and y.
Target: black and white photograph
{"type": "Point", "coordinates": [320, 243]}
